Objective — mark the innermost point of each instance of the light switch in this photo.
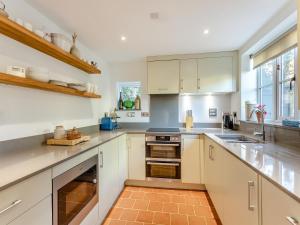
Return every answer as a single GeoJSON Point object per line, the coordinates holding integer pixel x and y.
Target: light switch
{"type": "Point", "coordinates": [213, 112]}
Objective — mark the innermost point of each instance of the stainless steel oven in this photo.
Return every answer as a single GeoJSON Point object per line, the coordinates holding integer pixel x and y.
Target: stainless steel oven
{"type": "Point", "coordinates": [163, 156]}
{"type": "Point", "coordinates": [75, 193]}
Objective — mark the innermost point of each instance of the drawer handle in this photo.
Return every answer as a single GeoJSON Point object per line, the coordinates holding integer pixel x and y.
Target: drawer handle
{"type": "Point", "coordinates": [15, 203]}
{"type": "Point", "coordinates": [292, 220]}
{"type": "Point", "coordinates": [250, 185]}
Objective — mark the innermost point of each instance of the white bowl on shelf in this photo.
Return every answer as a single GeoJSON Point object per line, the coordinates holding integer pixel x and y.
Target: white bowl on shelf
{"type": "Point", "coordinates": [39, 74]}
{"type": "Point", "coordinates": [61, 41]}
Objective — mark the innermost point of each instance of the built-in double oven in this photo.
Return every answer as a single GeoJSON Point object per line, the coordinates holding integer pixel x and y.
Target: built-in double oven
{"type": "Point", "coordinates": [163, 156]}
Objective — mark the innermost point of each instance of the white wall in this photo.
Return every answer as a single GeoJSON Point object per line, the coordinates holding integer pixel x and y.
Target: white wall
{"type": "Point", "coordinates": [200, 105]}
{"type": "Point", "coordinates": [130, 72]}
{"type": "Point", "coordinates": [27, 112]}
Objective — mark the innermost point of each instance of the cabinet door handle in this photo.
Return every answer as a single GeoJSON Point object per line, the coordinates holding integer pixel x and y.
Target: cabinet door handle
{"type": "Point", "coordinates": [13, 204]}
{"type": "Point", "coordinates": [251, 185]}
{"type": "Point", "coordinates": [181, 84]}
{"type": "Point", "coordinates": [211, 152]}
{"type": "Point", "coordinates": [198, 83]}
{"type": "Point", "coordinates": [292, 220]}
{"type": "Point", "coordinates": [101, 156]}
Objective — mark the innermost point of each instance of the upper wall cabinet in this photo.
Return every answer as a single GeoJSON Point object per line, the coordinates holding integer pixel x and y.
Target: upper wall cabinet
{"type": "Point", "coordinates": [163, 77]}
{"type": "Point", "coordinates": [216, 74]}
{"type": "Point", "coordinates": [201, 73]}
{"type": "Point", "coordinates": [189, 82]}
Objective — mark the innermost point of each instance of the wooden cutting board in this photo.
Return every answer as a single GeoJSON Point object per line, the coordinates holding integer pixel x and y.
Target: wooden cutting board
{"type": "Point", "coordinates": [66, 142]}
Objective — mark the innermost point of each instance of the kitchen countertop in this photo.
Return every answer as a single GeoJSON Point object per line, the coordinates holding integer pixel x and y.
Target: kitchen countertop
{"type": "Point", "coordinates": [279, 164]}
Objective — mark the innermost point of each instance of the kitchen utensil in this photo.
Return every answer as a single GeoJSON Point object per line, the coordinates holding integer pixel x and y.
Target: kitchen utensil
{"type": "Point", "coordinates": [2, 10]}
{"type": "Point", "coordinates": [39, 74]}
{"type": "Point", "coordinates": [74, 50]}
{"type": "Point", "coordinates": [59, 83]}
{"type": "Point", "coordinates": [61, 41]}
{"type": "Point", "coordinates": [59, 133]}
{"type": "Point", "coordinates": [18, 71]}
{"type": "Point", "coordinates": [79, 87]}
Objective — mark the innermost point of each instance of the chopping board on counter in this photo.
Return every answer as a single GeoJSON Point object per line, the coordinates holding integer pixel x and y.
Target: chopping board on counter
{"type": "Point", "coordinates": [66, 142]}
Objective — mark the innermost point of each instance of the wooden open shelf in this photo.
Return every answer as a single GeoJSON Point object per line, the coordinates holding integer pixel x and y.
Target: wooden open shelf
{"type": "Point", "coordinates": [21, 34]}
{"type": "Point", "coordinates": [29, 83]}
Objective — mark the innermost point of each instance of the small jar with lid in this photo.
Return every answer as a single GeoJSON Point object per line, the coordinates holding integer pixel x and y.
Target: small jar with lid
{"type": "Point", "coordinates": [59, 132]}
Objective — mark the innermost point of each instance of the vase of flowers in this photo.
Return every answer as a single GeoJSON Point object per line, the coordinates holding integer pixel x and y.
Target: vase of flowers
{"type": "Point", "coordinates": [260, 112]}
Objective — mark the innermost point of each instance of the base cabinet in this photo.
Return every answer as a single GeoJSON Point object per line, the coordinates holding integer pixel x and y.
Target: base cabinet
{"type": "Point", "coordinates": [191, 160]}
{"type": "Point", "coordinates": [277, 207]}
{"type": "Point", "coordinates": [136, 157]}
{"type": "Point", "coordinates": [214, 175]}
{"type": "Point", "coordinates": [232, 186]}
{"type": "Point", "coordinates": [240, 193]}
{"type": "Point", "coordinates": [109, 176]}
{"type": "Point", "coordinates": [39, 214]}
{"type": "Point", "coordinates": [123, 161]}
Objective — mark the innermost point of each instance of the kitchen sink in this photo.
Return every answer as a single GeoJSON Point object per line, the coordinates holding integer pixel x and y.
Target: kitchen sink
{"type": "Point", "coordinates": [236, 138]}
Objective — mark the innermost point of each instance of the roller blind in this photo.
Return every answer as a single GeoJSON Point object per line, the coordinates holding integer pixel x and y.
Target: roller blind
{"type": "Point", "coordinates": [284, 43]}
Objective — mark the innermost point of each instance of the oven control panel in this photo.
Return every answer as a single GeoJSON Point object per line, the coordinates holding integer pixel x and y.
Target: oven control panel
{"type": "Point", "coordinates": [163, 138]}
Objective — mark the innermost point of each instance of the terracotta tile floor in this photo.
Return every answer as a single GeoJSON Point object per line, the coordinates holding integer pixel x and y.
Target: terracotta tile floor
{"type": "Point", "coordinates": [145, 206]}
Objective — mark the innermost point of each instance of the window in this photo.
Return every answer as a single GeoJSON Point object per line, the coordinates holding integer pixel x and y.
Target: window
{"type": "Point", "coordinates": [129, 90]}
{"type": "Point", "coordinates": [276, 86]}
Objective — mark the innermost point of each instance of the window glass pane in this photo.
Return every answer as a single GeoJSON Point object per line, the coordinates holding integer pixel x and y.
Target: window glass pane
{"type": "Point", "coordinates": [287, 100]}
{"type": "Point", "coordinates": [288, 65]}
{"type": "Point", "coordinates": [130, 92]}
{"type": "Point", "coordinates": [267, 99]}
{"type": "Point", "coordinates": [267, 71]}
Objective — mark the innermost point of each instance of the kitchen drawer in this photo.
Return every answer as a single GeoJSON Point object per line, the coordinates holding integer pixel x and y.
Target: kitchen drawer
{"type": "Point", "coordinates": [40, 214]}
{"type": "Point", "coordinates": [24, 195]}
{"type": "Point", "coordinates": [278, 207]}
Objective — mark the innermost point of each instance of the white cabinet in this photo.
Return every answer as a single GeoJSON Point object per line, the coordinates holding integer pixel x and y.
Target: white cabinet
{"type": "Point", "coordinates": [216, 74]}
{"type": "Point", "coordinates": [136, 156]}
{"type": "Point", "coordinates": [214, 175]}
{"type": "Point", "coordinates": [163, 77]}
{"type": "Point", "coordinates": [232, 186]}
{"type": "Point", "coordinates": [241, 193]}
{"type": "Point", "coordinates": [189, 82]}
{"type": "Point", "coordinates": [23, 196]}
{"type": "Point", "coordinates": [277, 207]}
{"type": "Point", "coordinates": [123, 161]}
{"type": "Point", "coordinates": [108, 176]}
{"type": "Point", "coordinates": [191, 160]}
{"type": "Point", "coordinates": [39, 214]}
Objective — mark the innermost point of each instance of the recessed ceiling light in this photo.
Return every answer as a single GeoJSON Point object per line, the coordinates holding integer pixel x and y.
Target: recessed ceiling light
{"type": "Point", "coordinates": [206, 31]}
{"type": "Point", "coordinates": [123, 38]}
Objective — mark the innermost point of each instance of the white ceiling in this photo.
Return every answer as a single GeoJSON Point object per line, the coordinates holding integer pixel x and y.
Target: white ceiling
{"type": "Point", "coordinates": [179, 29]}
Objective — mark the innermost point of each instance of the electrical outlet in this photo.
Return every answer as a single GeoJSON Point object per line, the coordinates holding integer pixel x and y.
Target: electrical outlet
{"type": "Point", "coordinates": [145, 114]}
{"type": "Point", "coordinates": [131, 114]}
{"type": "Point", "coordinates": [213, 112]}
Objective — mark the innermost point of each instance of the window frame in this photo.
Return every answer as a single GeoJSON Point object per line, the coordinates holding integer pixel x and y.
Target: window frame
{"type": "Point", "coordinates": [277, 98]}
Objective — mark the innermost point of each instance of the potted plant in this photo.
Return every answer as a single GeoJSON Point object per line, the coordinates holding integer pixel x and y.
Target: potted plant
{"type": "Point", "coordinates": [260, 112]}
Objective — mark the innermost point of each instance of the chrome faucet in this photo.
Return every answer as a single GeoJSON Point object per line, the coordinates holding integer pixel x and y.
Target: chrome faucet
{"type": "Point", "coordinates": [262, 133]}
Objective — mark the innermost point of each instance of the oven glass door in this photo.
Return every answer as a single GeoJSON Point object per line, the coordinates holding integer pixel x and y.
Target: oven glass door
{"type": "Point", "coordinates": [163, 150]}
{"type": "Point", "coordinates": [75, 195]}
{"type": "Point", "coordinates": [167, 170]}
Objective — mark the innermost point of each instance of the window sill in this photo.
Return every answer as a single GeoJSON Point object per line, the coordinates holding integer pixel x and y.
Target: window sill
{"type": "Point", "coordinates": [277, 124]}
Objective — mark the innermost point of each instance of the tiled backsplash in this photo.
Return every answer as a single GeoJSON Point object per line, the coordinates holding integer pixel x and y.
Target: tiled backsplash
{"type": "Point", "coordinates": [275, 133]}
